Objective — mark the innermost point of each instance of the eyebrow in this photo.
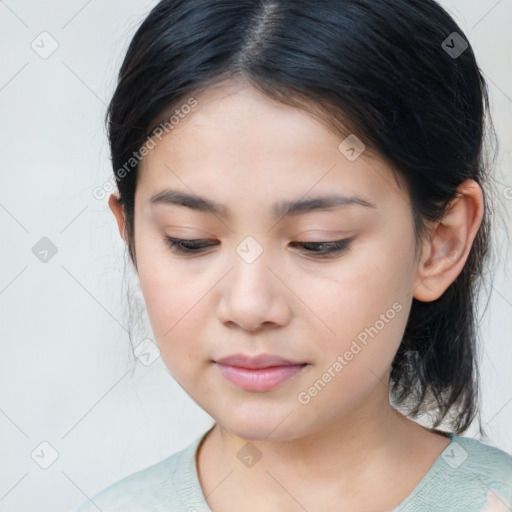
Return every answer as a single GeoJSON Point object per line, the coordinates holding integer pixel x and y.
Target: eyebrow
{"type": "Point", "coordinates": [281, 209]}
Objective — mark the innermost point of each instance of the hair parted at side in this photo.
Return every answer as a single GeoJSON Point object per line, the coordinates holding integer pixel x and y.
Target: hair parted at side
{"type": "Point", "coordinates": [374, 68]}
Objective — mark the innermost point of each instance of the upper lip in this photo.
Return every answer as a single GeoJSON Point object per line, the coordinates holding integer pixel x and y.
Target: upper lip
{"type": "Point", "coordinates": [259, 361]}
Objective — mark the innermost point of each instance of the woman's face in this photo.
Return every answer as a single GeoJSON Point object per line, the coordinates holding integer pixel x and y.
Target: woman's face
{"type": "Point", "coordinates": [337, 319]}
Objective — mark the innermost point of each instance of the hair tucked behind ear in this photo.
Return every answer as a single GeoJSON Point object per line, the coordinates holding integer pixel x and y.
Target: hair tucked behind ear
{"type": "Point", "coordinates": [375, 68]}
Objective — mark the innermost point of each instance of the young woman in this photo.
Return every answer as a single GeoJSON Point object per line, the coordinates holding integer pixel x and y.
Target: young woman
{"type": "Point", "coordinates": [305, 199]}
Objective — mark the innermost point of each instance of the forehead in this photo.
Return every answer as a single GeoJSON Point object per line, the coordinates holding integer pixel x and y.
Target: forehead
{"type": "Point", "coordinates": [251, 118]}
{"type": "Point", "coordinates": [237, 142]}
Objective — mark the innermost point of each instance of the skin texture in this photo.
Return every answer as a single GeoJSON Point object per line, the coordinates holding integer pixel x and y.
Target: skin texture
{"type": "Point", "coordinates": [347, 446]}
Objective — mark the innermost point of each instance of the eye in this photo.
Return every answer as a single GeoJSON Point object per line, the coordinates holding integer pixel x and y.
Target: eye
{"type": "Point", "coordinates": [324, 249]}
{"type": "Point", "coordinates": [184, 246]}
{"type": "Point", "coordinates": [318, 249]}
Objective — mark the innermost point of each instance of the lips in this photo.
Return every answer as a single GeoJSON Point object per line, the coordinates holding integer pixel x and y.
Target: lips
{"type": "Point", "coordinates": [260, 361]}
{"type": "Point", "coordinates": [258, 373]}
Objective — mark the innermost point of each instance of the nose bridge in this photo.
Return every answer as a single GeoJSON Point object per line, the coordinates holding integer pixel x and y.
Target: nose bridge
{"type": "Point", "coordinates": [251, 277]}
{"type": "Point", "coordinates": [253, 295]}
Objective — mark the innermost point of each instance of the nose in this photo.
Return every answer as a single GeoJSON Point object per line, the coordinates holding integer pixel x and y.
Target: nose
{"type": "Point", "coordinates": [254, 296]}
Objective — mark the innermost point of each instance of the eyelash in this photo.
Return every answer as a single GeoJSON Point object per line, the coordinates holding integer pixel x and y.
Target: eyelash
{"type": "Point", "coordinates": [197, 246]}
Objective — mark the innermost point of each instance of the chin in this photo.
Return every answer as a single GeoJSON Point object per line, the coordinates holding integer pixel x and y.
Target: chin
{"type": "Point", "coordinates": [257, 424]}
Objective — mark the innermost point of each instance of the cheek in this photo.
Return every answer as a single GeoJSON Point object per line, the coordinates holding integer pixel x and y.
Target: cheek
{"type": "Point", "coordinates": [355, 354]}
{"type": "Point", "coordinates": [365, 308]}
{"type": "Point", "coordinates": [174, 306]}
{"type": "Point", "coordinates": [352, 296]}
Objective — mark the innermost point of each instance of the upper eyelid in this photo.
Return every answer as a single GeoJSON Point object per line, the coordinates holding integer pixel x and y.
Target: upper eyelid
{"type": "Point", "coordinates": [177, 242]}
{"type": "Point", "coordinates": [193, 240]}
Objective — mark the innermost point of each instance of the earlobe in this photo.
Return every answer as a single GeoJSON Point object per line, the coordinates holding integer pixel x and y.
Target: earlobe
{"type": "Point", "coordinates": [117, 210]}
{"type": "Point", "coordinates": [446, 251]}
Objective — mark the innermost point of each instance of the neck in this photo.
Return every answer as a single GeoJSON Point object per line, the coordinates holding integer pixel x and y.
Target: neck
{"type": "Point", "coordinates": [337, 446]}
{"type": "Point", "coordinates": [347, 457]}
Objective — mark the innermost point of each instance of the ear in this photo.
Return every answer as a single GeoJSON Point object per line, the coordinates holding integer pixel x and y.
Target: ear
{"type": "Point", "coordinates": [117, 210]}
{"type": "Point", "coordinates": [446, 250]}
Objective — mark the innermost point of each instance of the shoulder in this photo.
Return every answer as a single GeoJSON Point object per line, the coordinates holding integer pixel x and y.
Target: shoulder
{"type": "Point", "coordinates": [158, 488]}
{"type": "Point", "coordinates": [468, 476]}
{"type": "Point", "coordinates": [474, 476]}
{"type": "Point", "coordinates": [483, 461]}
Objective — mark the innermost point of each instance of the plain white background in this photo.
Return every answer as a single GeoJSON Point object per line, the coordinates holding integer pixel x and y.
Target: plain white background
{"type": "Point", "coordinates": [65, 363]}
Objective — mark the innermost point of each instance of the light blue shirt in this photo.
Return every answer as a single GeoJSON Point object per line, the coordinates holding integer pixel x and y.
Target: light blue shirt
{"type": "Point", "coordinates": [468, 476]}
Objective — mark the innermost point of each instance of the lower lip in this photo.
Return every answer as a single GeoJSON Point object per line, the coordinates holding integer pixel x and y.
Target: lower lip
{"type": "Point", "coordinates": [259, 379]}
